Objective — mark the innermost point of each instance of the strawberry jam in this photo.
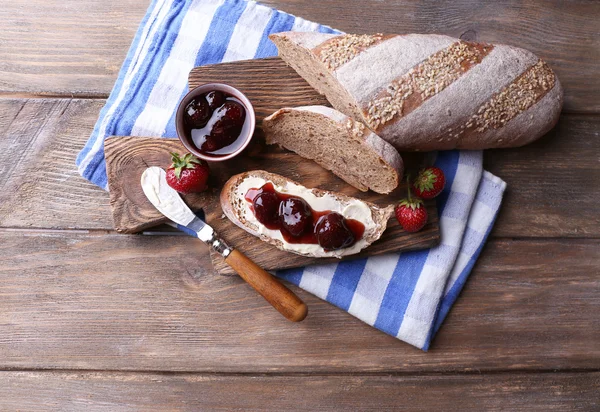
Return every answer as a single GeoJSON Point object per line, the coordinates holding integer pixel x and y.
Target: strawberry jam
{"type": "Point", "coordinates": [299, 223]}
{"type": "Point", "coordinates": [215, 121]}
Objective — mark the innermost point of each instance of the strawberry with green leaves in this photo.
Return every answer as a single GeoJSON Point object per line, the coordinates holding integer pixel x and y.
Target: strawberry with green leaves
{"type": "Point", "coordinates": [429, 183]}
{"type": "Point", "coordinates": [411, 213]}
{"type": "Point", "coordinates": [187, 174]}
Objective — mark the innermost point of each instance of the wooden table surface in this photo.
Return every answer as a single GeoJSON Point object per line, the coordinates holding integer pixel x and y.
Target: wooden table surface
{"type": "Point", "coordinates": [94, 320]}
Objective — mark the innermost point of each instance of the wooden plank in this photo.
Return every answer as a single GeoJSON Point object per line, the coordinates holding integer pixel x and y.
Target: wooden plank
{"type": "Point", "coordinates": [129, 156]}
{"type": "Point", "coordinates": [547, 180]}
{"type": "Point", "coordinates": [553, 184]}
{"type": "Point", "coordinates": [66, 391]}
{"type": "Point", "coordinates": [84, 46]}
{"type": "Point", "coordinates": [40, 185]}
{"type": "Point", "coordinates": [131, 302]}
{"type": "Point", "coordinates": [65, 48]}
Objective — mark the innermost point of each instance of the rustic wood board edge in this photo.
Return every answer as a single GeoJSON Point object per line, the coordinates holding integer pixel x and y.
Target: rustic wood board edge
{"type": "Point", "coordinates": [131, 211]}
{"type": "Point", "coordinates": [127, 157]}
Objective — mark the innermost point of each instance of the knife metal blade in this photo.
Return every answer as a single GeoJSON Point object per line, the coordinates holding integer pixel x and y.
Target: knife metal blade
{"type": "Point", "coordinates": [168, 202]}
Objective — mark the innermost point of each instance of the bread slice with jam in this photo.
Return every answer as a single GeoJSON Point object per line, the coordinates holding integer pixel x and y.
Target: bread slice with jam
{"type": "Point", "coordinates": [365, 220]}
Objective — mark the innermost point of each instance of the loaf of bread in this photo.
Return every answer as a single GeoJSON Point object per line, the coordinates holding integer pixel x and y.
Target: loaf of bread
{"type": "Point", "coordinates": [237, 208]}
{"type": "Point", "coordinates": [429, 92]}
{"type": "Point", "coordinates": [338, 143]}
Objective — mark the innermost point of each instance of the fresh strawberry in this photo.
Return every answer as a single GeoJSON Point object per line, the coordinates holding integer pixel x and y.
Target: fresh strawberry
{"type": "Point", "coordinates": [411, 214]}
{"type": "Point", "coordinates": [429, 183]}
{"type": "Point", "coordinates": [187, 174]}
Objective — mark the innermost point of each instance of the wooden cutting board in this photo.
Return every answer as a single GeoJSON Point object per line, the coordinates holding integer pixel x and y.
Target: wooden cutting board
{"type": "Point", "coordinates": [270, 85]}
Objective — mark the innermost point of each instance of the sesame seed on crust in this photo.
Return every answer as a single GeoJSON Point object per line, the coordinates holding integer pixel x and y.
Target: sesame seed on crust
{"type": "Point", "coordinates": [341, 49]}
{"type": "Point", "coordinates": [423, 81]}
{"type": "Point", "coordinates": [517, 97]}
{"type": "Point", "coordinates": [356, 128]}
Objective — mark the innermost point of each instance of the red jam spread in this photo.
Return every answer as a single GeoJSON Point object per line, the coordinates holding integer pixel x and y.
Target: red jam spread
{"type": "Point", "coordinates": [299, 223]}
{"type": "Point", "coordinates": [215, 121]}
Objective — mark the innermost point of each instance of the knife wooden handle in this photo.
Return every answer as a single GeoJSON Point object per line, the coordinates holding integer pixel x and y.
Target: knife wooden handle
{"type": "Point", "coordinates": [282, 299]}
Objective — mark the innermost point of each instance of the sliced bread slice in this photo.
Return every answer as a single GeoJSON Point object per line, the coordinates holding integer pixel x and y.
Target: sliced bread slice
{"type": "Point", "coordinates": [239, 211]}
{"type": "Point", "coordinates": [338, 143]}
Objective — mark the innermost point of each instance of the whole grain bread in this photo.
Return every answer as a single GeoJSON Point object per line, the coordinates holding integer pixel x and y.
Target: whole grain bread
{"type": "Point", "coordinates": [338, 143]}
{"type": "Point", "coordinates": [233, 207]}
{"type": "Point", "coordinates": [430, 92]}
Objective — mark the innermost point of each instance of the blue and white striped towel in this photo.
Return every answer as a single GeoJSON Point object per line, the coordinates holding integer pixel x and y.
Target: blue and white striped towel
{"type": "Point", "coordinates": [405, 295]}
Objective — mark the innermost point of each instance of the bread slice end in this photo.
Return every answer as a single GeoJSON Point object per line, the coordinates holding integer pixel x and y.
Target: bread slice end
{"type": "Point", "coordinates": [338, 143]}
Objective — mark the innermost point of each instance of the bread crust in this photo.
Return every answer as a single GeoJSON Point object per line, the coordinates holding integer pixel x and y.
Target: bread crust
{"type": "Point", "coordinates": [229, 201]}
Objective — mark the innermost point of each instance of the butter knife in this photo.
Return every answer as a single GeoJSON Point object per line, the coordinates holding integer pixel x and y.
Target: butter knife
{"type": "Point", "coordinates": [169, 203]}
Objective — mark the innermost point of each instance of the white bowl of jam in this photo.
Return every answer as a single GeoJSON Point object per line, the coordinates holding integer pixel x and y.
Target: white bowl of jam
{"type": "Point", "coordinates": [215, 121]}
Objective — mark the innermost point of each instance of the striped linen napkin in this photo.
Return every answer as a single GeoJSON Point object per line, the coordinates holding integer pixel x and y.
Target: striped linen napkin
{"type": "Point", "coordinates": [406, 295]}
